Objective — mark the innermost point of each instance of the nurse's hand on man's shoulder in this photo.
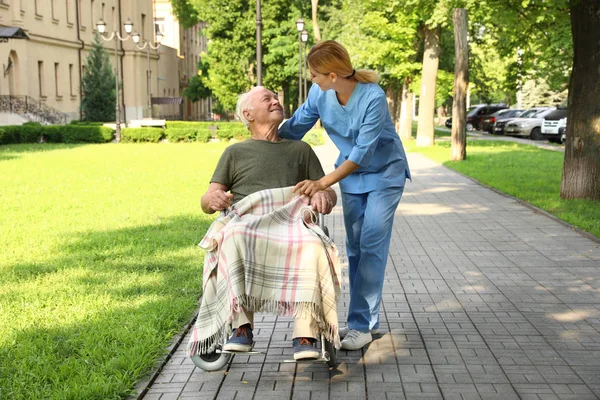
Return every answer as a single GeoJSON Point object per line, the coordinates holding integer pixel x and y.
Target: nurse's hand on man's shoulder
{"type": "Point", "coordinates": [321, 202]}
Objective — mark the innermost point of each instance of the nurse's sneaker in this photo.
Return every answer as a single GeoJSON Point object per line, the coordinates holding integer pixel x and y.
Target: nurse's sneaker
{"type": "Point", "coordinates": [344, 331]}
{"type": "Point", "coordinates": [355, 340]}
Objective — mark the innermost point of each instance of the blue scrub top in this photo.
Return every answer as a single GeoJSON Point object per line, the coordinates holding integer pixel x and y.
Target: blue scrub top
{"type": "Point", "coordinates": [362, 130]}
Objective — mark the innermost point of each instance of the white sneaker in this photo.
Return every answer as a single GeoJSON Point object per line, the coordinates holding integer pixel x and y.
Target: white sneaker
{"type": "Point", "coordinates": [355, 340]}
{"type": "Point", "coordinates": [344, 331]}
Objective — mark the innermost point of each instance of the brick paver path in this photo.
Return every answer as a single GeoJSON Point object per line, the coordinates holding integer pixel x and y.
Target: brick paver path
{"type": "Point", "coordinates": [484, 299]}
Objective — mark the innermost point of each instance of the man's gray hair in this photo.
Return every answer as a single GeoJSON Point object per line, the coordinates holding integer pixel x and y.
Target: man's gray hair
{"type": "Point", "coordinates": [244, 104]}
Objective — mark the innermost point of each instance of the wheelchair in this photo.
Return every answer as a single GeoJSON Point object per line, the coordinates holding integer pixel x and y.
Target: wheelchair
{"type": "Point", "coordinates": [219, 358]}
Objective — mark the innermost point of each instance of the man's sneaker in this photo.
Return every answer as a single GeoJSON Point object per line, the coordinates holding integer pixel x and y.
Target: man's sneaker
{"type": "Point", "coordinates": [304, 348]}
{"type": "Point", "coordinates": [355, 340]}
{"type": "Point", "coordinates": [344, 331]}
{"type": "Point", "coordinates": [240, 340]}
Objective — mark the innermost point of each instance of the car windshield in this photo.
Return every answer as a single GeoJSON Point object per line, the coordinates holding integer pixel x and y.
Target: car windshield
{"type": "Point", "coordinates": [500, 112]}
{"type": "Point", "coordinates": [529, 113]}
{"type": "Point", "coordinates": [472, 110]}
{"type": "Point", "coordinates": [563, 105]}
{"type": "Point", "coordinates": [541, 113]}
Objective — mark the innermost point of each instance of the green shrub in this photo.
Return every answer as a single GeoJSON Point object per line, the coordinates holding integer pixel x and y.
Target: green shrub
{"type": "Point", "coordinates": [86, 134]}
{"type": "Point", "coordinates": [12, 134]}
{"type": "Point", "coordinates": [86, 123]}
{"type": "Point", "coordinates": [30, 133]}
{"type": "Point", "coordinates": [53, 134]}
{"type": "Point", "coordinates": [153, 135]}
{"type": "Point", "coordinates": [181, 134]}
{"type": "Point", "coordinates": [204, 135]}
{"type": "Point", "coordinates": [189, 124]}
{"type": "Point", "coordinates": [31, 123]}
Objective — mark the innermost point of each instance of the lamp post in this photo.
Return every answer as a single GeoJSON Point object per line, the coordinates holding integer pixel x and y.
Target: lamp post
{"type": "Point", "coordinates": [258, 44]}
{"type": "Point", "coordinates": [101, 26]}
{"type": "Point", "coordinates": [304, 37]}
{"type": "Point", "coordinates": [300, 27]}
{"type": "Point", "coordinates": [147, 45]}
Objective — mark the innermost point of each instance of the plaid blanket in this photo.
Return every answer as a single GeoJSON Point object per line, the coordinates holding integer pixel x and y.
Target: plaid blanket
{"type": "Point", "coordinates": [263, 256]}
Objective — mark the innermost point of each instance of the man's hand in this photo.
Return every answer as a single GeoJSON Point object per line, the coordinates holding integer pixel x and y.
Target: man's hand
{"type": "Point", "coordinates": [219, 200]}
{"type": "Point", "coordinates": [216, 198]}
{"type": "Point", "coordinates": [323, 201]}
{"type": "Point", "coordinates": [309, 188]}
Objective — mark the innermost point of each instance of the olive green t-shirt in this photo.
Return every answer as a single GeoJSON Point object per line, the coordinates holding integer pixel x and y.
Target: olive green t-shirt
{"type": "Point", "coordinates": [255, 165]}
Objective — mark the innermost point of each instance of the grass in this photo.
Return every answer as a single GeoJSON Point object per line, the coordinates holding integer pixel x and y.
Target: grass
{"type": "Point", "coordinates": [526, 172]}
{"type": "Point", "coordinates": [99, 266]}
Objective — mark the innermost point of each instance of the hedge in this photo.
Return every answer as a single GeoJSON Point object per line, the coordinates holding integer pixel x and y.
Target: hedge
{"type": "Point", "coordinates": [35, 133]}
{"type": "Point", "coordinates": [136, 135]}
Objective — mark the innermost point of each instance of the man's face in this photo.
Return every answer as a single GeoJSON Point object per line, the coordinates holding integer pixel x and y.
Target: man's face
{"type": "Point", "coordinates": [265, 107]}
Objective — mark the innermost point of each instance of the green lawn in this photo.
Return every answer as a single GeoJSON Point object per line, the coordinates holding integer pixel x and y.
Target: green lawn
{"type": "Point", "coordinates": [523, 171]}
{"type": "Point", "coordinates": [99, 266]}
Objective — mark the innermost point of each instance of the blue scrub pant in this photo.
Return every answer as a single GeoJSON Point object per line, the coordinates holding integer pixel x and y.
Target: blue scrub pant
{"type": "Point", "coordinates": [368, 218]}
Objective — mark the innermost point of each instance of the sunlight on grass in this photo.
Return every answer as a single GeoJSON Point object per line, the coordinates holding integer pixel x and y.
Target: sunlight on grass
{"type": "Point", "coordinates": [99, 262]}
{"type": "Point", "coordinates": [523, 171]}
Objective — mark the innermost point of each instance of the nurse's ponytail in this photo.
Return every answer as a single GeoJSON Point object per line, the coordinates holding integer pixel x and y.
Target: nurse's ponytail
{"type": "Point", "coordinates": [330, 56]}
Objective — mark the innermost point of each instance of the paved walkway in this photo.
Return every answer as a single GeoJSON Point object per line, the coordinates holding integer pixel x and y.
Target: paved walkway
{"type": "Point", "coordinates": [484, 299]}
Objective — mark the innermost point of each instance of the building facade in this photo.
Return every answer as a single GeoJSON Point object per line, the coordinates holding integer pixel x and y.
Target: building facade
{"type": "Point", "coordinates": [190, 44]}
{"type": "Point", "coordinates": [48, 67]}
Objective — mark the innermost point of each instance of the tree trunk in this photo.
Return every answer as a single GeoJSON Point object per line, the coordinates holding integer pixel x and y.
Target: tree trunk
{"type": "Point", "coordinates": [406, 111]}
{"type": "Point", "coordinates": [431, 58]}
{"type": "Point", "coordinates": [315, 22]}
{"type": "Point", "coordinates": [461, 82]}
{"type": "Point", "coordinates": [581, 169]}
{"type": "Point", "coordinates": [393, 97]}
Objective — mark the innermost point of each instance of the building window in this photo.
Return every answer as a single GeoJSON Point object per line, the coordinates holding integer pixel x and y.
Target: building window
{"type": "Point", "coordinates": [68, 11]}
{"type": "Point", "coordinates": [36, 7]}
{"type": "Point", "coordinates": [143, 27]}
{"type": "Point", "coordinates": [71, 80]}
{"type": "Point", "coordinates": [92, 14]}
{"type": "Point", "coordinates": [41, 78]}
{"type": "Point", "coordinates": [80, 16]}
{"type": "Point", "coordinates": [160, 24]}
{"type": "Point", "coordinates": [102, 15]}
{"type": "Point", "coordinates": [113, 18]}
{"type": "Point", "coordinates": [56, 80]}
{"type": "Point", "coordinates": [52, 10]}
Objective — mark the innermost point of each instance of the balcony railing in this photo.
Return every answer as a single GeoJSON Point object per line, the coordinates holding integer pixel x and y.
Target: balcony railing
{"type": "Point", "coordinates": [32, 109]}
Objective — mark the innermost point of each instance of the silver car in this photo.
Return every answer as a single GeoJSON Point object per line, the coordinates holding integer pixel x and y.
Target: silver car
{"type": "Point", "coordinates": [530, 123]}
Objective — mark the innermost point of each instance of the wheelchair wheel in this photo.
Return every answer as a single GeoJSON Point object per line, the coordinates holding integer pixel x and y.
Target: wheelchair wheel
{"type": "Point", "coordinates": [332, 363]}
{"type": "Point", "coordinates": [212, 361]}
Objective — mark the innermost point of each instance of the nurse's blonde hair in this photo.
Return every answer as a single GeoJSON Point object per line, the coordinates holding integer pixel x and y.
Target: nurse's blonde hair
{"type": "Point", "coordinates": [330, 56]}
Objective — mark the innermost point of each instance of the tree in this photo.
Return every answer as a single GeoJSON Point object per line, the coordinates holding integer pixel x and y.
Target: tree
{"type": "Point", "coordinates": [186, 14]}
{"type": "Point", "coordinates": [581, 170]}
{"type": "Point", "coordinates": [98, 85]}
{"type": "Point", "coordinates": [461, 82]}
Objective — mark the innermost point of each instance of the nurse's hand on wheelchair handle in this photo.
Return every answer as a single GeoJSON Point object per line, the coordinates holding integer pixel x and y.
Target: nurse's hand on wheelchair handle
{"type": "Point", "coordinates": [219, 200]}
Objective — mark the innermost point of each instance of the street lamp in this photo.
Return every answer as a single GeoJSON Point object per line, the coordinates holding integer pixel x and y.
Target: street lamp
{"type": "Point", "coordinates": [304, 37]}
{"type": "Point", "coordinates": [101, 26]}
{"type": "Point", "coordinates": [300, 27]}
{"type": "Point", "coordinates": [147, 45]}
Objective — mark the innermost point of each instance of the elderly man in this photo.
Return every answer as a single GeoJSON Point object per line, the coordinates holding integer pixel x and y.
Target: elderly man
{"type": "Point", "coordinates": [265, 161]}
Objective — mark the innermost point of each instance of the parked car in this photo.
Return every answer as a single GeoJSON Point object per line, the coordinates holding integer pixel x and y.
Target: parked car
{"type": "Point", "coordinates": [487, 122]}
{"type": "Point", "coordinates": [476, 113]}
{"type": "Point", "coordinates": [553, 122]}
{"type": "Point", "coordinates": [529, 126]}
{"type": "Point", "coordinates": [499, 126]}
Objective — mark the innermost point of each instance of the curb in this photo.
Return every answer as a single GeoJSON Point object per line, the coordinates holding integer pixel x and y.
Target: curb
{"type": "Point", "coordinates": [142, 387]}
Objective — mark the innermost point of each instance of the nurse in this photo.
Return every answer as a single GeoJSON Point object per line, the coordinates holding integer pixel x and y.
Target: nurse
{"type": "Point", "coordinates": [371, 170]}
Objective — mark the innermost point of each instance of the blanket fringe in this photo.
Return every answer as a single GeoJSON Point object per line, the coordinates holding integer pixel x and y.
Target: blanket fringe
{"type": "Point", "coordinates": [295, 309]}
